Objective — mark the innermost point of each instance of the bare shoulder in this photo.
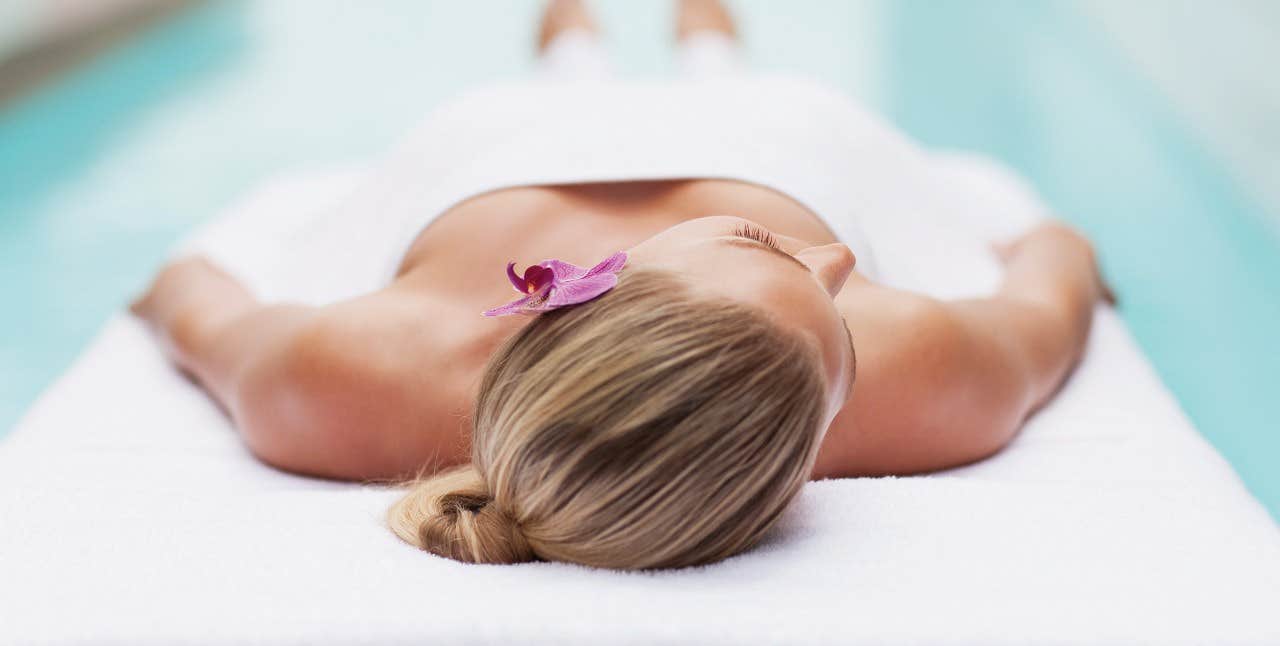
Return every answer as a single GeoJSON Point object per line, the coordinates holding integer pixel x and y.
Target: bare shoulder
{"type": "Point", "coordinates": [928, 394]}
{"type": "Point", "coordinates": [374, 388]}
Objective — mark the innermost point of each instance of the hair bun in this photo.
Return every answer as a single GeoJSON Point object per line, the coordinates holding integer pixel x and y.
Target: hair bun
{"type": "Point", "coordinates": [453, 514]}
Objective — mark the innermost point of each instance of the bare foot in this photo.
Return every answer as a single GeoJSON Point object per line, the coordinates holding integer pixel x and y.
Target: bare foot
{"type": "Point", "coordinates": [561, 15]}
{"type": "Point", "coordinates": [704, 15]}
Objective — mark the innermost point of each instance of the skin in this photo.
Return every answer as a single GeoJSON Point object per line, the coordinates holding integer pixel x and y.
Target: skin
{"type": "Point", "coordinates": [382, 385]}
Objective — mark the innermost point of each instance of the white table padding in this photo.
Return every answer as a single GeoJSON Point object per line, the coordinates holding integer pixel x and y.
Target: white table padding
{"type": "Point", "coordinates": [130, 513]}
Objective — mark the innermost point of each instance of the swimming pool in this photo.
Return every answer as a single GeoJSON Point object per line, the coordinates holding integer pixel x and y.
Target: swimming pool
{"type": "Point", "coordinates": [103, 169]}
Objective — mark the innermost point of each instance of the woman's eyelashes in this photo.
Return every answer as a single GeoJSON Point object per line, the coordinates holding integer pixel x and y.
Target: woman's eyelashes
{"type": "Point", "coordinates": [756, 233]}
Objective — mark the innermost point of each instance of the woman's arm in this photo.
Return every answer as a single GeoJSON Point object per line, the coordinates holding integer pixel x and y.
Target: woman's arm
{"type": "Point", "coordinates": [1044, 309]}
{"type": "Point", "coordinates": [944, 383]}
{"type": "Point", "coordinates": [212, 328]}
{"type": "Point", "coordinates": [344, 391]}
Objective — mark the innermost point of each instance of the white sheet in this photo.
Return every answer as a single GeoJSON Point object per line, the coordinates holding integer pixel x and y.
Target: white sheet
{"type": "Point", "coordinates": [130, 513]}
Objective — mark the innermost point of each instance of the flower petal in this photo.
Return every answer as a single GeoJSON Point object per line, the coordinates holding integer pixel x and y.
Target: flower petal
{"type": "Point", "coordinates": [564, 270]}
{"type": "Point", "coordinates": [613, 264]}
{"type": "Point", "coordinates": [581, 290]}
{"type": "Point", "coordinates": [516, 280]}
{"type": "Point", "coordinates": [528, 304]}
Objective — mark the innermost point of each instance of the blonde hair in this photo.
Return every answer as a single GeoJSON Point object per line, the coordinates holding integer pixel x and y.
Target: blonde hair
{"type": "Point", "coordinates": [648, 428]}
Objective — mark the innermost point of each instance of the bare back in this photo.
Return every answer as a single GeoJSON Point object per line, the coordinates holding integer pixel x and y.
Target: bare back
{"type": "Point", "coordinates": [449, 268]}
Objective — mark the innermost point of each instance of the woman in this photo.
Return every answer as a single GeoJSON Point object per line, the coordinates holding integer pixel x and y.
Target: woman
{"type": "Point", "coordinates": [661, 408]}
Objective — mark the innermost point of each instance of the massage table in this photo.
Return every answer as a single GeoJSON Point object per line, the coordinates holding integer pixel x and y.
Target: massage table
{"type": "Point", "coordinates": [131, 513]}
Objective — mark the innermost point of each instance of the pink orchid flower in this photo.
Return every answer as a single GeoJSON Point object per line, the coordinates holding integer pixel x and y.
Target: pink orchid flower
{"type": "Point", "coordinates": [554, 283]}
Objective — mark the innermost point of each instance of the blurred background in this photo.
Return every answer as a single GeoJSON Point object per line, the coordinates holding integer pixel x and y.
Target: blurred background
{"type": "Point", "coordinates": [1154, 125]}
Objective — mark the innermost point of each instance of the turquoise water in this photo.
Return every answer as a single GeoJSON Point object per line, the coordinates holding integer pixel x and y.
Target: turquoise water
{"type": "Point", "coordinates": [104, 168]}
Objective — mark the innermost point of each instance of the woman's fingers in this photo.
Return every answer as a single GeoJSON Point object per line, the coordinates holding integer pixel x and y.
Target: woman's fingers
{"type": "Point", "coordinates": [1003, 249]}
{"type": "Point", "coordinates": [170, 284]}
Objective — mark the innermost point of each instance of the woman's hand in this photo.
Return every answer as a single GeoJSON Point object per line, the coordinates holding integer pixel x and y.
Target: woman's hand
{"type": "Point", "coordinates": [158, 303]}
{"type": "Point", "coordinates": [188, 298]}
{"type": "Point", "coordinates": [1060, 246]}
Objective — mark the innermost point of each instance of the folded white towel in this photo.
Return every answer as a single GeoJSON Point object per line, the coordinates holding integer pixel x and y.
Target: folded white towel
{"type": "Point", "coordinates": [130, 513]}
